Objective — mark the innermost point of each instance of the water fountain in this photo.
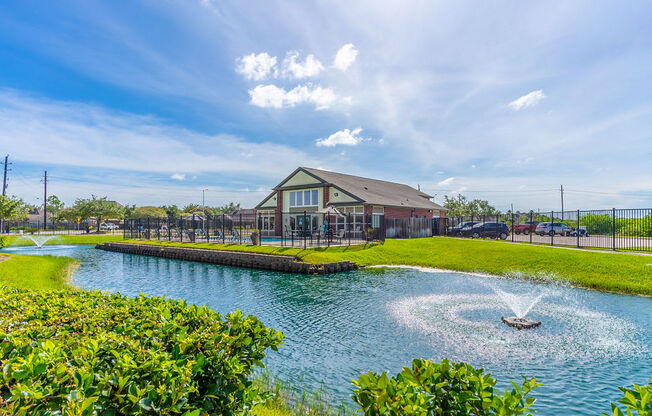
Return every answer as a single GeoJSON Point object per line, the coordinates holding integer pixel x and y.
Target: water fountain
{"type": "Point", "coordinates": [520, 305]}
{"type": "Point", "coordinates": [39, 240]}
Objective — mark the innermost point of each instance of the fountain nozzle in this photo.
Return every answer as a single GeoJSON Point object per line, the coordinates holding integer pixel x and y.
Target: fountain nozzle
{"type": "Point", "coordinates": [520, 323]}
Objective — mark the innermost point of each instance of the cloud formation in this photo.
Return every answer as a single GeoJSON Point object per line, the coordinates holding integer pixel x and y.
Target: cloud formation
{"type": "Point", "coordinates": [257, 67]}
{"type": "Point", "coordinates": [345, 57]}
{"type": "Point", "coordinates": [446, 181]}
{"type": "Point", "coordinates": [528, 100]}
{"type": "Point", "coordinates": [293, 68]}
{"type": "Point", "coordinates": [178, 176]}
{"type": "Point", "coordinates": [271, 96]}
{"type": "Point", "coordinates": [344, 137]}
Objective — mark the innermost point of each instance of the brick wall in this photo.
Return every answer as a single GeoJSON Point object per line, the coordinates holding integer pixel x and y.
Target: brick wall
{"type": "Point", "coordinates": [278, 218]}
{"type": "Point", "coordinates": [405, 213]}
{"type": "Point", "coordinates": [327, 192]}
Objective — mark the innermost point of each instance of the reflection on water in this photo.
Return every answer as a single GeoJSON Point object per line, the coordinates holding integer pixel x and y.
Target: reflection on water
{"type": "Point", "coordinates": [338, 326]}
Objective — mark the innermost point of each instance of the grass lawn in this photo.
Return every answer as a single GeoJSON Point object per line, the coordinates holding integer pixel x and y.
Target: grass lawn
{"type": "Point", "coordinates": [35, 272]}
{"type": "Point", "coordinates": [17, 240]}
{"type": "Point", "coordinates": [617, 272]}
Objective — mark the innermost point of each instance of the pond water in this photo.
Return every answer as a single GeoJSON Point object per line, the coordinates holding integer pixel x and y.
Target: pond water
{"type": "Point", "coordinates": [339, 326]}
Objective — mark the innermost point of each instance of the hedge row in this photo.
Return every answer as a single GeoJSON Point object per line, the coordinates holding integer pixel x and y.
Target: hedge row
{"type": "Point", "coordinates": [83, 353]}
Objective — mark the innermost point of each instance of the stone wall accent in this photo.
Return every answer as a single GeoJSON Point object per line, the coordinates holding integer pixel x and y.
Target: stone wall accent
{"type": "Point", "coordinates": [260, 261]}
{"type": "Point", "coordinates": [391, 212]}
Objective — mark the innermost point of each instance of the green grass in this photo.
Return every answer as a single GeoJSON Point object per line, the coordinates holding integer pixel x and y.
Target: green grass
{"type": "Point", "coordinates": [616, 272]}
{"type": "Point", "coordinates": [17, 240]}
{"type": "Point", "coordinates": [35, 272]}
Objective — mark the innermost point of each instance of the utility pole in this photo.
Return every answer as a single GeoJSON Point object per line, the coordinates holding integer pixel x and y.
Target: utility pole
{"type": "Point", "coordinates": [4, 181]}
{"type": "Point", "coordinates": [45, 201]}
{"type": "Point", "coordinates": [561, 190]}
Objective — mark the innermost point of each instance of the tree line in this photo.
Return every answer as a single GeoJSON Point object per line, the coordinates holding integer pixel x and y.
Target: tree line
{"type": "Point", "coordinates": [100, 208]}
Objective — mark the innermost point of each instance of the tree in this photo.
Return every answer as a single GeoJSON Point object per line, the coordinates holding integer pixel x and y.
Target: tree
{"type": "Point", "coordinates": [12, 208]}
{"type": "Point", "coordinates": [55, 207]}
{"type": "Point", "coordinates": [98, 208]}
{"type": "Point", "coordinates": [148, 211]}
{"type": "Point", "coordinates": [171, 210]}
{"type": "Point", "coordinates": [459, 206]}
{"type": "Point", "coordinates": [226, 208]}
{"type": "Point", "coordinates": [191, 208]}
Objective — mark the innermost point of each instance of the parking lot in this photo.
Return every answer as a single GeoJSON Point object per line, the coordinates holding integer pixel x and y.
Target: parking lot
{"type": "Point", "coordinates": [593, 241]}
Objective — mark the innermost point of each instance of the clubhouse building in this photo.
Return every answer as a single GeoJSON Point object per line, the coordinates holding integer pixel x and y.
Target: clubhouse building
{"type": "Point", "coordinates": [308, 197]}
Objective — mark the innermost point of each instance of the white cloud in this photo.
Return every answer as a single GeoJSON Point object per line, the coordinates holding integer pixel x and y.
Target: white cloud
{"type": "Point", "coordinates": [276, 97]}
{"type": "Point", "coordinates": [296, 69]}
{"type": "Point", "coordinates": [528, 100]}
{"type": "Point", "coordinates": [257, 66]}
{"type": "Point", "coordinates": [446, 181]}
{"type": "Point", "coordinates": [344, 137]}
{"type": "Point", "coordinates": [178, 176]}
{"type": "Point", "coordinates": [345, 57]}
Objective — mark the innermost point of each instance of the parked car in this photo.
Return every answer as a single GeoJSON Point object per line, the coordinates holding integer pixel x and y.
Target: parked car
{"type": "Point", "coordinates": [582, 231]}
{"type": "Point", "coordinates": [554, 228]}
{"type": "Point", "coordinates": [487, 229]}
{"type": "Point", "coordinates": [109, 226]}
{"type": "Point", "coordinates": [526, 228]}
{"type": "Point", "coordinates": [457, 230]}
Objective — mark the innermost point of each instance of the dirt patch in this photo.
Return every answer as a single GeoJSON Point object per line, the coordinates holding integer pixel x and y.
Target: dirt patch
{"type": "Point", "coordinates": [4, 257]}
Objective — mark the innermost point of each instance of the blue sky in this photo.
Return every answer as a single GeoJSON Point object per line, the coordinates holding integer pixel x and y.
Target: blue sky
{"type": "Point", "coordinates": [148, 102]}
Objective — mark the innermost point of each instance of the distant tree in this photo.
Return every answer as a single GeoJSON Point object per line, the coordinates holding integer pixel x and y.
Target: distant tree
{"type": "Point", "coordinates": [98, 208]}
{"type": "Point", "coordinates": [171, 210]}
{"type": "Point", "coordinates": [55, 207]}
{"type": "Point", "coordinates": [459, 206]}
{"type": "Point", "coordinates": [192, 209]}
{"type": "Point", "coordinates": [12, 208]}
{"type": "Point", "coordinates": [148, 211]}
{"type": "Point", "coordinates": [226, 208]}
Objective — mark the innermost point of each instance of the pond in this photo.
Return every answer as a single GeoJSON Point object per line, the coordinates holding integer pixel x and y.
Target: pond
{"type": "Point", "coordinates": [339, 326]}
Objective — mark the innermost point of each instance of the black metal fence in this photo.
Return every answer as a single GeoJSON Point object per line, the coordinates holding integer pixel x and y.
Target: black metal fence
{"type": "Point", "coordinates": [61, 227]}
{"type": "Point", "coordinates": [613, 229]}
{"type": "Point", "coordinates": [288, 229]}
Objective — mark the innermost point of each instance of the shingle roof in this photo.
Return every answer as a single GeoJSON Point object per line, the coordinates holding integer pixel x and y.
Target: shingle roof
{"type": "Point", "coordinates": [377, 192]}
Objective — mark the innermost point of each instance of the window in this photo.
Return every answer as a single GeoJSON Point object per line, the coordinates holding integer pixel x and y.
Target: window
{"type": "Point", "coordinates": [304, 198]}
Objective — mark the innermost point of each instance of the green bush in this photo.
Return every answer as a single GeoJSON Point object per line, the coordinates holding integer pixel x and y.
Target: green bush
{"type": "Point", "coordinates": [83, 353]}
{"type": "Point", "coordinates": [445, 388]}
{"type": "Point", "coordinates": [637, 399]}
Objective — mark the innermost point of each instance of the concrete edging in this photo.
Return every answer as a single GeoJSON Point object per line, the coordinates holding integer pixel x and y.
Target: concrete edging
{"type": "Point", "coordinates": [230, 258]}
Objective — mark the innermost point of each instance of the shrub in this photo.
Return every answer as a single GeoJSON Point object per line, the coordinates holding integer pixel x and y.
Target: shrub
{"type": "Point", "coordinates": [445, 388]}
{"type": "Point", "coordinates": [83, 353]}
{"type": "Point", "coordinates": [637, 399]}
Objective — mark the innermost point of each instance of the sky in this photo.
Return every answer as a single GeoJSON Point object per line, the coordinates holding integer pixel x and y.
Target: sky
{"type": "Point", "coordinates": [151, 102]}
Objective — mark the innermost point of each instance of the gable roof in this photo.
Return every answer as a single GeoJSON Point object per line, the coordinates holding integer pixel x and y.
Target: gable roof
{"type": "Point", "coordinates": [373, 191]}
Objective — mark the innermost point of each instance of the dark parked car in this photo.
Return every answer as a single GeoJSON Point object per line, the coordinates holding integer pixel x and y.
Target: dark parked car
{"type": "Point", "coordinates": [457, 230]}
{"type": "Point", "coordinates": [487, 229]}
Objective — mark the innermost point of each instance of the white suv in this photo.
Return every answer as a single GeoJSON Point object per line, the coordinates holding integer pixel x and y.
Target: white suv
{"type": "Point", "coordinates": [553, 228]}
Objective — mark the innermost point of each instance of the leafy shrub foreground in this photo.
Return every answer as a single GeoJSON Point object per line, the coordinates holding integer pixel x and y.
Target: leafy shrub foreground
{"type": "Point", "coordinates": [82, 353]}
{"type": "Point", "coordinates": [446, 388]}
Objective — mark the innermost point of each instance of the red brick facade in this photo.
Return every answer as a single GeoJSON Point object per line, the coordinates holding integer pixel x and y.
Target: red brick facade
{"type": "Point", "coordinates": [406, 213]}
{"type": "Point", "coordinates": [278, 216]}
{"type": "Point", "coordinates": [327, 195]}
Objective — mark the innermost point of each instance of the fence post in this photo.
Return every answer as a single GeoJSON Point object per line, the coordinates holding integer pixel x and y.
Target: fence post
{"type": "Point", "coordinates": [304, 230]}
{"type": "Point", "coordinates": [512, 226]}
{"type": "Point", "coordinates": [169, 230]}
{"type": "Point", "coordinates": [240, 232]}
{"type": "Point", "coordinates": [552, 228]}
{"type": "Point", "coordinates": [124, 230]}
{"type": "Point", "coordinates": [578, 228]}
{"type": "Point", "coordinates": [149, 230]}
{"type": "Point", "coordinates": [613, 228]}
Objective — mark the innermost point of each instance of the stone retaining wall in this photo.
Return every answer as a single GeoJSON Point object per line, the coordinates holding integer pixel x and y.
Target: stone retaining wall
{"type": "Point", "coordinates": [230, 258]}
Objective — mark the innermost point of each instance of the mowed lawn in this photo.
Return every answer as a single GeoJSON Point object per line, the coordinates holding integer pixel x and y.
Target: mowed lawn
{"type": "Point", "coordinates": [17, 240]}
{"type": "Point", "coordinates": [35, 272]}
{"type": "Point", "coordinates": [617, 272]}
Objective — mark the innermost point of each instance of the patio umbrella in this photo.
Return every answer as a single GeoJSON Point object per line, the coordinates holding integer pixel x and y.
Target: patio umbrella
{"type": "Point", "coordinates": [331, 210]}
